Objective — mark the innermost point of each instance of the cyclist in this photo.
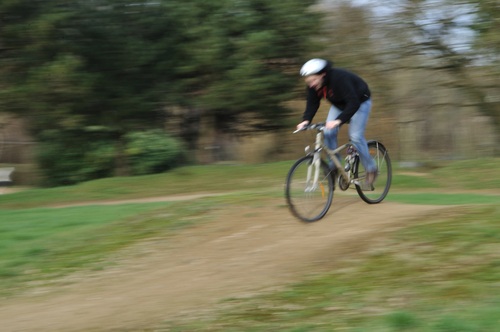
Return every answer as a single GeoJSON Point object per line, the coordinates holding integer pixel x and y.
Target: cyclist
{"type": "Point", "coordinates": [351, 103]}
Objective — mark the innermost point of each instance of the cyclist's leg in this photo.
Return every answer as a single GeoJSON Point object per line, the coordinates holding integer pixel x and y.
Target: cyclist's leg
{"type": "Point", "coordinates": [357, 128]}
{"type": "Point", "coordinates": [331, 134]}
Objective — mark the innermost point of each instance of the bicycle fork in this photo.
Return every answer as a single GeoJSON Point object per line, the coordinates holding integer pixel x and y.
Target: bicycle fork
{"type": "Point", "coordinates": [314, 170]}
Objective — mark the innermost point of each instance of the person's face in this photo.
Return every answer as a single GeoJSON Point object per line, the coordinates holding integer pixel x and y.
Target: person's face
{"type": "Point", "coordinates": [315, 81]}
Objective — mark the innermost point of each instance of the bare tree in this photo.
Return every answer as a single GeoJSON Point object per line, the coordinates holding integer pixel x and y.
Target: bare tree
{"type": "Point", "coordinates": [423, 58]}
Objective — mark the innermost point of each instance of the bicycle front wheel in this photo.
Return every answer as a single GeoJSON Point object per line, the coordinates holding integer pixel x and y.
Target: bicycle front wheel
{"type": "Point", "coordinates": [378, 191]}
{"type": "Point", "coordinates": [307, 199]}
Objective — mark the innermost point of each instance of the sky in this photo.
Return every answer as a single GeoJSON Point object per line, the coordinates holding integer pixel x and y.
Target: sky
{"type": "Point", "coordinates": [459, 37]}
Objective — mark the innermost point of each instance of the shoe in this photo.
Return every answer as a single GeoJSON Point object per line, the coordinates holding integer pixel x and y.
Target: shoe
{"type": "Point", "coordinates": [371, 177]}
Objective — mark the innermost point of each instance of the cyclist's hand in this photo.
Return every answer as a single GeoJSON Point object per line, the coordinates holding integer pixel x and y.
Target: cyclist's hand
{"type": "Point", "coordinates": [303, 124]}
{"type": "Point", "coordinates": [333, 124]}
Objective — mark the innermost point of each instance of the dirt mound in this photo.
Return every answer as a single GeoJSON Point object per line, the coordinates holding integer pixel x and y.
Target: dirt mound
{"type": "Point", "coordinates": [243, 251]}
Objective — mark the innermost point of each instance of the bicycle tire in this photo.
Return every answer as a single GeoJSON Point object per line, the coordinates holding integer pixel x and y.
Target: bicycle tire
{"type": "Point", "coordinates": [306, 204]}
{"type": "Point", "coordinates": [378, 191]}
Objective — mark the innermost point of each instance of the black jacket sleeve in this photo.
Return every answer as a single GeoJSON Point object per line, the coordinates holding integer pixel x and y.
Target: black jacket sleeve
{"type": "Point", "coordinates": [312, 104]}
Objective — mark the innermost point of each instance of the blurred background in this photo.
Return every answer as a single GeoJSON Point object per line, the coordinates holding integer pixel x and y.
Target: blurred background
{"type": "Point", "coordinates": [101, 88]}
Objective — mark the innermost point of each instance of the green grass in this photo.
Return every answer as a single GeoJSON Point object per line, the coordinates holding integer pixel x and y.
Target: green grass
{"type": "Point", "coordinates": [437, 276]}
{"type": "Point", "coordinates": [185, 180]}
{"type": "Point", "coordinates": [470, 174]}
{"type": "Point", "coordinates": [407, 182]}
{"type": "Point", "coordinates": [444, 198]}
{"type": "Point", "coordinates": [467, 174]}
{"type": "Point", "coordinates": [44, 243]}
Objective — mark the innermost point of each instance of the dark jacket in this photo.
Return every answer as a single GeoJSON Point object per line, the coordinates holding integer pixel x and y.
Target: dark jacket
{"type": "Point", "coordinates": [345, 90]}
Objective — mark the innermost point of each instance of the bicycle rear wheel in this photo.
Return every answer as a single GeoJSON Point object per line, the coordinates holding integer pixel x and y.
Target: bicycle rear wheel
{"type": "Point", "coordinates": [378, 191]}
{"type": "Point", "coordinates": [309, 202]}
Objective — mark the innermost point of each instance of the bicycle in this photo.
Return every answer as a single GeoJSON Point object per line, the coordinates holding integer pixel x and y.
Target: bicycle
{"type": "Point", "coordinates": [310, 183]}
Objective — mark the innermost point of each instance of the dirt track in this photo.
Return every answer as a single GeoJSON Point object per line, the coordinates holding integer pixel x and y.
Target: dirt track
{"type": "Point", "coordinates": [242, 252]}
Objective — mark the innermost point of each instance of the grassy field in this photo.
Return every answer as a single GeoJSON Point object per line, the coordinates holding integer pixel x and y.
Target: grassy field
{"type": "Point", "coordinates": [444, 272]}
{"type": "Point", "coordinates": [185, 180]}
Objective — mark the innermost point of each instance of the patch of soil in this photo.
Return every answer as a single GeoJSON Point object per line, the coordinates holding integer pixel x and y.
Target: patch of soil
{"type": "Point", "coordinates": [243, 251]}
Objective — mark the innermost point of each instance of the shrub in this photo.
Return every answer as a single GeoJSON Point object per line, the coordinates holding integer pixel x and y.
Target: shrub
{"type": "Point", "coordinates": [70, 161]}
{"type": "Point", "coordinates": [152, 151]}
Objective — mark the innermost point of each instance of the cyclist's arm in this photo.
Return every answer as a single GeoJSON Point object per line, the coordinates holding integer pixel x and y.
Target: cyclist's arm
{"type": "Point", "coordinates": [312, 105]}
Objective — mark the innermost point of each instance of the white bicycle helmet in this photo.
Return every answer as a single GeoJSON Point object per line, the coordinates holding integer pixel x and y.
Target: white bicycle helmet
{"type": "Point", "coordinates": [314, 67]}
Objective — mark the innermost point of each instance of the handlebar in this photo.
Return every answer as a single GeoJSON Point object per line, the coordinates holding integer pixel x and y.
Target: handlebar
{"type": "Point", "coordinates": [318, 126]}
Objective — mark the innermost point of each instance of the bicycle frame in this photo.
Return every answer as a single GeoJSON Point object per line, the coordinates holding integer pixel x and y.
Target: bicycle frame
{"type": "Point", "coordinates": [318, 147]}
